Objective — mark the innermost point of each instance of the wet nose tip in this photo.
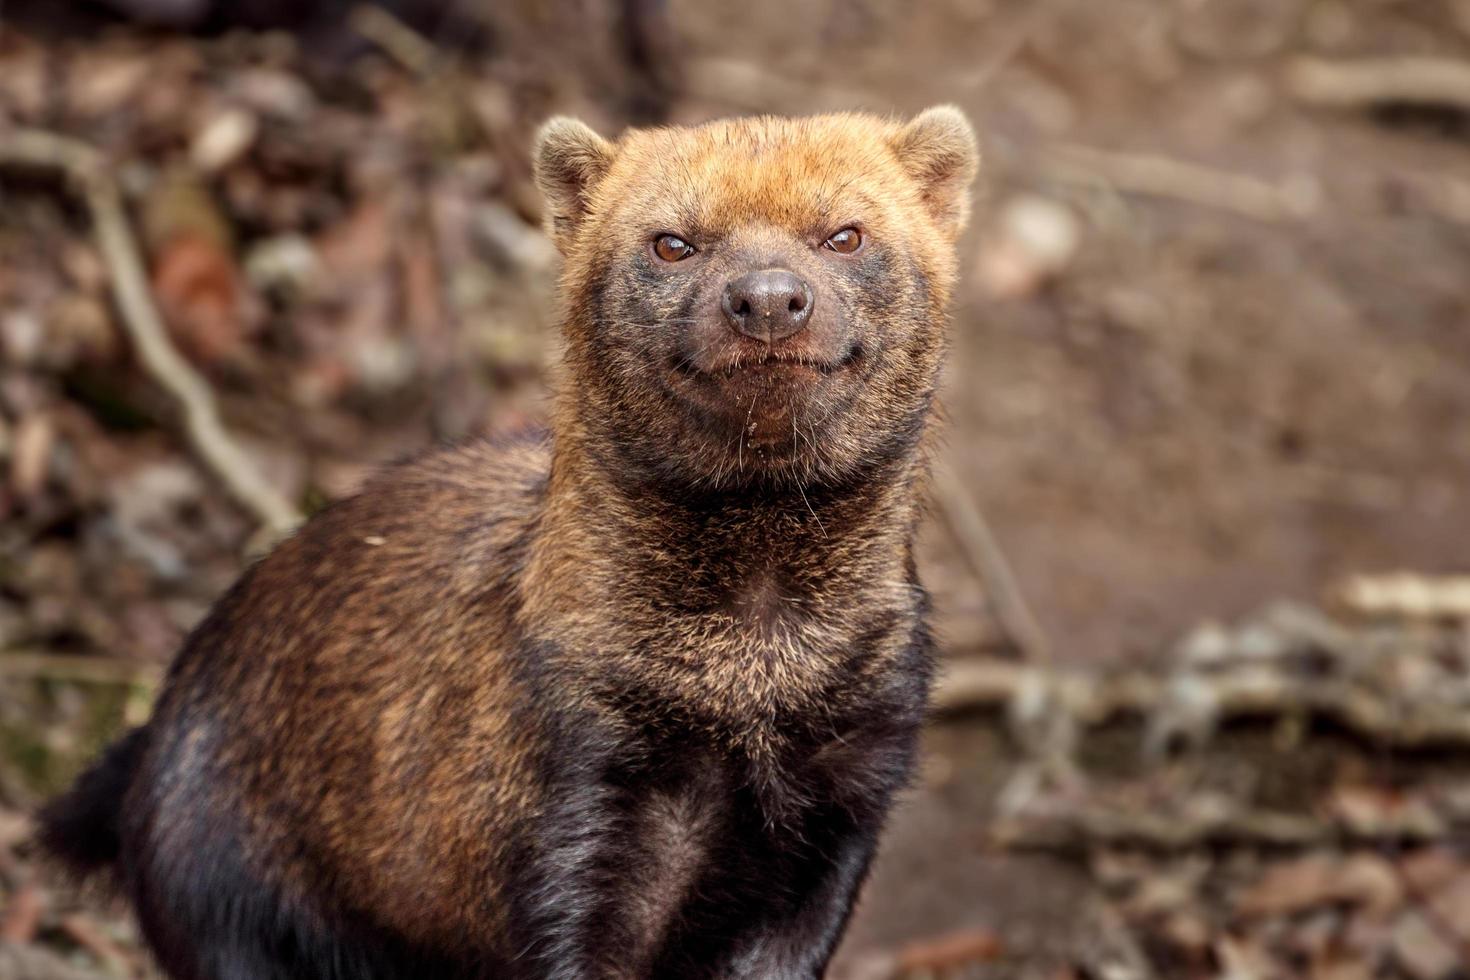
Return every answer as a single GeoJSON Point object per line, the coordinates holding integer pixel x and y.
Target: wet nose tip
{"type": "Point", "coordinates": [768, 305]}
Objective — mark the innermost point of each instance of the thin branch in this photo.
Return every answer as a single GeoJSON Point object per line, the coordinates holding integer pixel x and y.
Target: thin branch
{"type": "Point", "coordinates": [1177, 180]}
{"type": "Point", "coordinates": [983, 552]}
{"type": "Point", "coordinates": [1092, 700]}
{"type": "Point", "coordinates": [86, 669]}
{"type": "Point", "coordinates": [86, 169]}
{"type": "Point", "coordinates": [1083, 828]}
{"type": "Point", "coordinates": [1380, 81]}
{"type": "Point", "coordinates": [404, 44]}
{"type": "Point", "coordinates": [39, 963]}
{"type": "Point", "coordinates": [1406, 595]}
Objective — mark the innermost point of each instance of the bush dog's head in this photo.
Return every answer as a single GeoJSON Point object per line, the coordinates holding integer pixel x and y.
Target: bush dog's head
{"type": "Point", "coordinates": [757, 300]}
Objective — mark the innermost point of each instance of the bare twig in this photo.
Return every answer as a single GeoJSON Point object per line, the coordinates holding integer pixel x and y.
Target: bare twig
{"type": "Point", "coordinates": [38, 963]}
{"type": "Point", "coordinates": [1092, 700]}
{"type": "Point", "coordinates": [1405, 595]}
{"type": "Point", "coordinates": [972, 532]}
{"type": "Point", "coordinates": [1039, 720]}
{"type": "Point", "coordinates": [80, 668]}
{"type": "Point", "coordinates": [22, 916]}
{"type": "Point", "coordinates": [1164, 177]}
{"type": "Point", "coordinates": [1380, 81]}
{"type": "Point", "coordinates": [1083, 828]}
{"type": "Point", "coordinates": [86, 169]}
{"type": "Point", "coordinates": [405, 45]}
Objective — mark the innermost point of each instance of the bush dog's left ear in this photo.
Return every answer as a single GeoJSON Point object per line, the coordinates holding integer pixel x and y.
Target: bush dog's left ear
{"type": "Point", "coordinates": [939, 151]}
{"type": "Point", "coordinates": [569, 160]}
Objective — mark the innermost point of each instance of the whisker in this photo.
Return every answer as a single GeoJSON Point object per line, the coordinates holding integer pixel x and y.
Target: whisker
{"type": "Point", "coordinates": [688, 359]}
{"type": "Point", "coordinates": [740, 451]}
{"type": "Point", "coordinates": [796, 447]}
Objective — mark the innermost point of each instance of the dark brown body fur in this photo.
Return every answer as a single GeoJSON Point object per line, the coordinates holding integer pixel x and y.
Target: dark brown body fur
{"type": "Point", "coordinates": [630, 699]}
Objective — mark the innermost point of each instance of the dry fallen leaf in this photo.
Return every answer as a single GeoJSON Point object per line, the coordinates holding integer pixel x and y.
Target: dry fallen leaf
{"type": "Point", "coordinates": [198, 286]}
{"type": "Point", "coordinates": [22, 914]}
{"type": "Point", "coordinates": [99, 83]}
{"type": "Point", "coordinates": [951, 950]}
{"type": "Point", "coordinates": [1294, 886]}
{"type": "Point", "coordinates": [30, 454]}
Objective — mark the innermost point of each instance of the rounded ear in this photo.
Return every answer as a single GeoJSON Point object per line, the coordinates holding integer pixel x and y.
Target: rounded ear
{"type": "Point", "coordinates": [569, 160]}
{"type": "Point", "coordinates": [939, 151]}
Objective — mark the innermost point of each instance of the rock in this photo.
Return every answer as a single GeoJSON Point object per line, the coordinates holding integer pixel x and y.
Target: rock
{"type": "Point", "coordinates": [283, 264]}
{"type": "Point", "coordinates": [1033, 241]}
{"type": "Point", "coordinates": [1207, 645]}
{"type": "Point", "coordinates": [274, 92]}
{"type": "Point", "coordinates": [224, 139]}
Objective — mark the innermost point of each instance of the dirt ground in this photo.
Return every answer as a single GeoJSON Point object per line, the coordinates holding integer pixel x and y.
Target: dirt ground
{"type": "Point", "coordinates": [1212, 350]}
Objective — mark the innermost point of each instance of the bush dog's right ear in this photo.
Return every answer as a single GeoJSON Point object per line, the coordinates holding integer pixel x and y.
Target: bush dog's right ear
{"type": "Point", "coordinates": [569, 160]}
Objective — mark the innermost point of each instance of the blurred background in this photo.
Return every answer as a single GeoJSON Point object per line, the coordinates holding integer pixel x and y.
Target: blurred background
{"type": "Point", "coordinates": [1198, 539]}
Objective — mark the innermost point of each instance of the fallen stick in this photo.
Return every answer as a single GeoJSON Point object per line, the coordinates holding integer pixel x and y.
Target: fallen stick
{"type": "Point", "coordinates": [28, 962]}
{"type": "Point", "coordinates": [404, 44]}
{"type": "Point", "coordinates": [87, 934]}
{"type": "Point", "coordinates": [1380, 81]}
{"type": "Point", "coordinates": [85, 168]}
{"type": "Point", "coordinates": [1405, 595]}
{"type": "Point", "coordinates": [1083, 828]}
{"type": "Point", "coordinates": [1093, 700]}
{"type": "Point", "coordinates": [970, 530]}
{"type": "Point", "coordinates": [75, 667]}
{"type": "Point", "coordinates": [1177, 180]}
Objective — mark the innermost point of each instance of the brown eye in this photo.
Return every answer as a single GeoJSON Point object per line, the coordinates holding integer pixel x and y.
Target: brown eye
{"type": "Point", "coordinates": [672, 248]}
{"type": "Point", "coordinates": [845, 242]}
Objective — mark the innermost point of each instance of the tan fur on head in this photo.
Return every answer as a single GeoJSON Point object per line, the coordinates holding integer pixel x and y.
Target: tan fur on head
{"type": "Point", "coordinates": [569, 159]}
{"type": "Point", "coordinates": [937, 148]}
{"type": "Point", "coordinates": [745, 193]}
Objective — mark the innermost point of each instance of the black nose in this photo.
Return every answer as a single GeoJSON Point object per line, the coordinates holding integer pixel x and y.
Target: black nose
{"type": "Point", "coordinates": [768, 305]}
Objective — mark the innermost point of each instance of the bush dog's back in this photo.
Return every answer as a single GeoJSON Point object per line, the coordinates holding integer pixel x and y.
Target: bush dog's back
{"type": "Point", "coordinates": [629, 699]}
